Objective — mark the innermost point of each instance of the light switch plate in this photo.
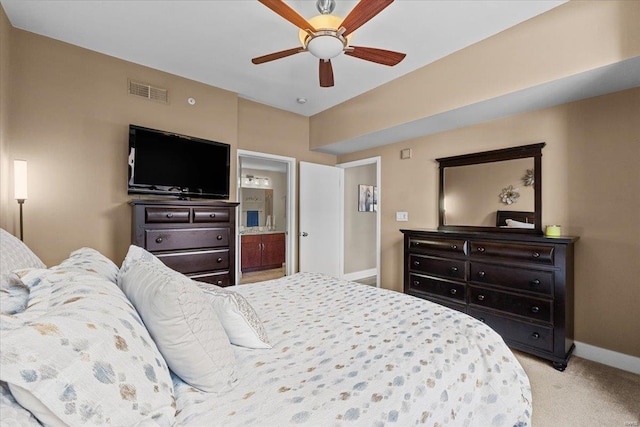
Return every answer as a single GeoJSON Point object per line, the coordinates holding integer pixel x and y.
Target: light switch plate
{"type": "Point", "coordinates": [402, 216]}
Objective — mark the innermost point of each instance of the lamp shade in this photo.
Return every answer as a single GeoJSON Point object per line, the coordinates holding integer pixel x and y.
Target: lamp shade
{"type": "Point", "coordinates": [20, 179]}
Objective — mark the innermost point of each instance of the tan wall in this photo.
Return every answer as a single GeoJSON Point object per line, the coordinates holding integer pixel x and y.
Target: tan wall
{"type": "Point", "coordinates": [70, 115]}
{"type": "Point", "coordinates": [359, 227]}
{"type": "Point", "coordinates": [5, 164]}
{"type": "Point", "coordinates": [590, 179]}
{"type": "Point", "coordinates": [574, 37]}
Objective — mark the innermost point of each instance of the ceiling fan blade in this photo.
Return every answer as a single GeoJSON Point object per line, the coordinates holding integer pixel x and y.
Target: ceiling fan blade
{"type": "Point", "coordinates": [282, 9]}
{"type": "Point", "coordinates": [380, 56]}
{"type": "Point", "coordinates": [326, 73]}
{"type": "Point", "coordinates": [277, 55]}
{"type": "Point", "coordinates": [362, 13]}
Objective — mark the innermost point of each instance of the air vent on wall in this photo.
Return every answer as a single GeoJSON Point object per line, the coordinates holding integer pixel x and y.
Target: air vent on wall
{"type": "Point", "coordinates": [147, 91]}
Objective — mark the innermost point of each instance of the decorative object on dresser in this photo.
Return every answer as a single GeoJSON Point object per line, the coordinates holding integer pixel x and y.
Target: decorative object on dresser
{"type": "Point", "coordinates": [262, 251]}
{"type": "Point", "coordinates": [520, 285]}
{"type": "Point", "coordinates": [196, 238]}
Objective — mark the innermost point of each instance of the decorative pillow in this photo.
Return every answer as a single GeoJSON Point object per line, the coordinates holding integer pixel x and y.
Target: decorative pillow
{"type": "Point", "coordinates": [181, 321]}
{"type": "Point", "coordinates": [91, 261]}
{"type": "Point", "coordinates": [80, 354]}
{"type": "Point", "coordinates": [238, 317]}
{"type": "Point", "coordinates": [518, 224]}
{"type": "Point", "coordinates": [14, 254]}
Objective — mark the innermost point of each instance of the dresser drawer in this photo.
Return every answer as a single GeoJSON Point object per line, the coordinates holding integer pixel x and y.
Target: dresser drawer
{"type": "Point", "coordinates": [445, 247]}
{"type": "Point", "coordinates": [533, 308]}
{"type": "Point", "coordinates": [447, 268]}
{"type": "Point", "coordinates": [443, 288]}
{"type": "Point", "coordinates": [524, 253]}
{"type": "Point", "coordinates": [189, 238]}
{"type": "Point", "coordinates": [194, 262]}
{"type": "Point", "coordinates": [537, 281]}
{"type": "Point", "coordinates": [167, 215]}
{"type": "Point", "coordinates": [525, 333]}
{"type": "Point", "coordinates": [210, 215]}
{"type": "Point", "coordinates": [218, 278]}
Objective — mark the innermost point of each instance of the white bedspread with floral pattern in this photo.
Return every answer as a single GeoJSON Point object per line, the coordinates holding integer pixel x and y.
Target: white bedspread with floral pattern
{"type": "Point", "coordinates": [346, 354]}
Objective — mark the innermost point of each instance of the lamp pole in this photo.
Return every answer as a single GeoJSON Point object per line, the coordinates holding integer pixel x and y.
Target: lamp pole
{"type": "Point", "coordinates": [21, 202]}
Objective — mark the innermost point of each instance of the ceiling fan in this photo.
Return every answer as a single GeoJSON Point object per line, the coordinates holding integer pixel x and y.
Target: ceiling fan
{"type": "Point", "coordinates": [326, 36]}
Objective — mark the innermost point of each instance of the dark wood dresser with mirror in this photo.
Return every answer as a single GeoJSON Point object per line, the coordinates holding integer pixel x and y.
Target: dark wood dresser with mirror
{"type": "Point", "coordinates": [495, 264]}
{"type": "Point", "coordinates": [196, 238]}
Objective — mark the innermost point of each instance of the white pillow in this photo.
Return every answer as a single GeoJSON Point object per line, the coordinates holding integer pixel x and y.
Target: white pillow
{"type": "Point", "coordinates": [80, 355]}
{"type": "Point", "coordinates": [239, 319]}
{"type": "Point", "coordinates": [14, 254]}
{"type": "Point", "coordinates": [180, 320]}
{"type": "Point", "coordinates": [518, 224]}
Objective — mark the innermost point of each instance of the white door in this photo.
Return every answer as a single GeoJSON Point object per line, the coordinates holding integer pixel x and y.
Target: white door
{"type": "Point", "coordinates": [320, 207]}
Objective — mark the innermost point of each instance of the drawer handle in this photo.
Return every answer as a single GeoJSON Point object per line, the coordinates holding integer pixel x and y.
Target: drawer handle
{"type": "Point", "coordinates": [219, 260]}
{"type": "Point", "coordinates": [454, 246]}
{"type": "Point", "coordinates": [159, 240]}
{"type": "Point", "coordinates": [535, 309]}
{"type": "Point", "coordinates": [170, 215]}
{"type": "Point", "coordinates": [535, 282]}
{"type": "Point", "coordinates": [416, 282]}
{"type": "Point", "coordinates": [212, 215]}
{"type": "Point", "coordinates": [481, 319]}
{"type": "Point", "coordinates": [416, 262]}
{"type": "Point", "coordinates": [219, 283]}
{"type": "Point", "coordinates": [454, 269]}
{"type": "Point", "coordinates": [481, 273]}
{"type": "Point", "coordinates": [481, 249]}
{"type": "Point", "coordinates": [219, 237]}
{"type": "Point", "coordinates": [453, 291]}
{"type": "Point", "coordinates": [535, 336]}
{"type": "Point", "coordinates": [536, 254]}
{"type": "Point", "coordinates": [480, 297]}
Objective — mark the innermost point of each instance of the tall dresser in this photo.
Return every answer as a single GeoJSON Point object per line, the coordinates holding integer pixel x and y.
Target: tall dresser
{"type": "Point", "coordinates": [520, 285]}
{"type": "Point", "coordinates": [196, 238]}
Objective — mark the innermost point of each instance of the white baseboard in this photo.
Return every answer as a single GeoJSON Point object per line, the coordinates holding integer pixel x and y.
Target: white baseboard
{"type": "Point", "coordinates": [357, 275]}
{"type": "Point", "coordinates": [608, 357]}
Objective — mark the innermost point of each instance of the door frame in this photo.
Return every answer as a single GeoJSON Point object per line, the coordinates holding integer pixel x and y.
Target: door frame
{"type": "Point", "coordinates": [291, 234]}
{"type": "Point", "coordinates": [378, 162]}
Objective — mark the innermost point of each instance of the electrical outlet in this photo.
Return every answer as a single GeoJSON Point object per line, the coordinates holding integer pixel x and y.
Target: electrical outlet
{"type": "Point", "coordinates": [402, 216]}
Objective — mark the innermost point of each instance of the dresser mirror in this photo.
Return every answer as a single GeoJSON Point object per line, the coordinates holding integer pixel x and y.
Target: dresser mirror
{"type": "Point", "coordinates": [497, 190]}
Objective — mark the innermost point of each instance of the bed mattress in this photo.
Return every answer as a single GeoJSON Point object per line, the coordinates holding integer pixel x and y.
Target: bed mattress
{"type": "Point", "coordinates": [350, 354]}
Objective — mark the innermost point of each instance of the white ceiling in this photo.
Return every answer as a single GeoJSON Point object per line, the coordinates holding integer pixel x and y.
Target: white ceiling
{"type": "Point", "coordinates": [213, 41]}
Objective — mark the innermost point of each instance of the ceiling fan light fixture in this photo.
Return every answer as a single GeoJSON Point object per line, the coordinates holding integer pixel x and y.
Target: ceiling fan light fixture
{"type": "Point", "coordinates": [325, 46]}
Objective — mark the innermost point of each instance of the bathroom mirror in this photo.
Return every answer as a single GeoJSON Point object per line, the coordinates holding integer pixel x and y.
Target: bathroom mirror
{"type": "Point", "coordinates": [497, 190]}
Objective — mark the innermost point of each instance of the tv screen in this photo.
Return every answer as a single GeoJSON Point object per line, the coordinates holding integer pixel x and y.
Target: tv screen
{"type": "Point", "coordinates": [165, 163]}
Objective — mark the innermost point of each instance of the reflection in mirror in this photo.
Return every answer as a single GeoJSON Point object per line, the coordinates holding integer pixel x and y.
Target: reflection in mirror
{"type": "Point", "coordinates": [497, 190]}
{"type": "Point", "coordinates": [472, 192]}
{"type": "Point", "coordinates": [262, 201]}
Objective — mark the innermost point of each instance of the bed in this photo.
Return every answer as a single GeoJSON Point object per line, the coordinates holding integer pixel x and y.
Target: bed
{"type": "Point", "coordinates": [335, 353]}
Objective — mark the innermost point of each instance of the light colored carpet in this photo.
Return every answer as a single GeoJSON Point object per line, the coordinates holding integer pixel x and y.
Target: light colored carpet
{"type": "Point", "coordinates": [586, 394]}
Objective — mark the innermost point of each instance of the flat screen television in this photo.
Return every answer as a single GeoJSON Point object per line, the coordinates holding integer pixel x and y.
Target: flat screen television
{"type": "Point", "coordinates": [169, 164]}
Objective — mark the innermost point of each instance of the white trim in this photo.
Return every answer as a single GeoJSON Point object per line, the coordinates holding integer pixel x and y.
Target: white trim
{"type": "Point", "coordinates": [292, 234]}
{"type": "Point", "coordinates": [378, 162]}
{"type": "Point", "coordinates": [357, 275]}
{"type": "Point", "coordinates": [608, 357]}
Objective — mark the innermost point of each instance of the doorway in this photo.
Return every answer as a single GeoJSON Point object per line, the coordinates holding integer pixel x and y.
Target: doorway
{"type": "Point", "coordinates": [331, 232]}
{"type": "Point", "coordinates": [266, 216]}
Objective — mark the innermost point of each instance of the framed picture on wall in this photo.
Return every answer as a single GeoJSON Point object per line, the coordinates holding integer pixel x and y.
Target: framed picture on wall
{"type": "Point", "coordinates": [367, 198]}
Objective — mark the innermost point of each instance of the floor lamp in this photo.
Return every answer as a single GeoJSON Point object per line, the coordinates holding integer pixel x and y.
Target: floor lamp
{"type": "Point", "coordinates": [20, 186]}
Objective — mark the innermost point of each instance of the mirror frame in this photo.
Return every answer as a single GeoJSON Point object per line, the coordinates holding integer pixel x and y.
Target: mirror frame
{"type": "Point", "coordinates": [523, 151]}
